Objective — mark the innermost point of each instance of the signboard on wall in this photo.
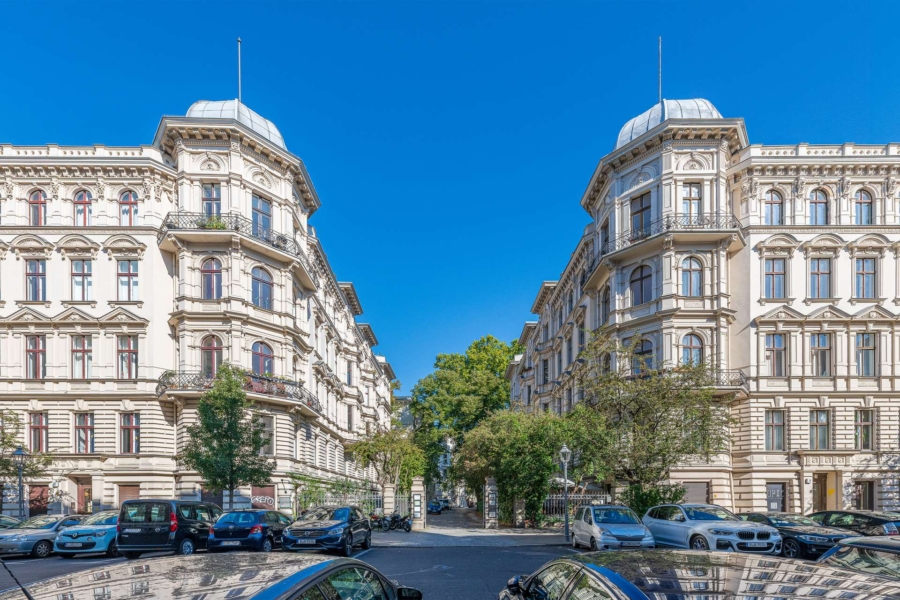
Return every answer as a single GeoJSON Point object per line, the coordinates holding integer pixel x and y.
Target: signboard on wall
{"type": "Point", "coordinates": [263, 497]}
{"type": "Point", "coordinates": [417, 506]}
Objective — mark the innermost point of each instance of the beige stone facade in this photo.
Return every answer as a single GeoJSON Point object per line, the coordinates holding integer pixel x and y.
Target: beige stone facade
{"type": "Point", "coordinates": [106, 369]}
{"type": "Point", "coordinates": [778, 266]}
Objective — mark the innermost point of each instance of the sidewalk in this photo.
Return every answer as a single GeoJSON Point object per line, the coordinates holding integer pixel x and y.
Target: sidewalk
{"type": "Point", "coordinates": [462, 527]}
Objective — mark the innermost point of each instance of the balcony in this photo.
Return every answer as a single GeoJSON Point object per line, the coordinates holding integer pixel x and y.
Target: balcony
{"type": "Point", "coordinates": [730, 379]}
{"type": "Point", "coordinates": [671, 223]}
{"type": "Point", "coordinates": [269, 387]}
{"type": "Point", "coordinates": [210, 228]}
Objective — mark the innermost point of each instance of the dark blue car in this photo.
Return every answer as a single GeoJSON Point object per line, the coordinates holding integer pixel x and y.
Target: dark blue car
{"type": "Point", "coordinates": [258, 530]}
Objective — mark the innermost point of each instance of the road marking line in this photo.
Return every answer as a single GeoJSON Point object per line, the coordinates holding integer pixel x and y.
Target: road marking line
{"type": "Point", "coordinates": [363, 552]}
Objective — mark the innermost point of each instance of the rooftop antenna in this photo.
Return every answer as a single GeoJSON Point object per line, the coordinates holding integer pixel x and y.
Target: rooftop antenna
{"type": "Point", "coordinates": [660, 68]}
{"type": "Point", "coordinates": [239, 70]}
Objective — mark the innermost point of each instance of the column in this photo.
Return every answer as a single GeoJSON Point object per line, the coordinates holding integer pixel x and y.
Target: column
{"type": "Point", "coordinates": [417, 492]}
{"type": "Point", "coordinates": [388, 500]}
{"type": "Point", "coordinates": [490, 504]}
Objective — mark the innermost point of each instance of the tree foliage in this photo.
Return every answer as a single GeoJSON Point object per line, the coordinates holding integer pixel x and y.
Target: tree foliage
{"type": "Point", "coordinates": [36, 464]}
{"type": "Point", "coordinates": [225, 444]}
{"type": "Point", "coordinates": [393, 455]}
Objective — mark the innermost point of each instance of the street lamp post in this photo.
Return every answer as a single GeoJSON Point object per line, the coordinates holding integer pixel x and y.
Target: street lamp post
{"type": "Point", "coordinates": [565, 454]}
{"type": "Point", "coordinates": [19, 457]}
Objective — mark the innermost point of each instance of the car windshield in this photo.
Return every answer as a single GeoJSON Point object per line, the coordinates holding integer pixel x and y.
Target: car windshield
{"type": "Point", "coordinates": [327, 514]}
{"type": "Point", "coordinates": [237, 518]}
{"type": "Point", "coordinates": [708, 513]}
{"type": "Point", "coordinates": [866, 560]}
{"type": "Point", "coordinates": [102, 518]}
{"type": "Point", "coordinates": [41, 522]}
{"type": "Point", "coordinates": [615, 515]}
{"type": "Point", "coordinates": [788, 520]}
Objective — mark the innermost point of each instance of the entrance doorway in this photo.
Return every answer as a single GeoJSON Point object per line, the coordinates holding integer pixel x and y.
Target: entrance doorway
{"type": "Point", "coordinates": [864, 495]}
{"type": "Point", "coordinates": [775, 493]}
{"type": "Point", "coordinates": [84, 499]}
{"type": "Point", "coordinates": [820, 491]}
{"type": "Point", "coordinates": [696, 492]}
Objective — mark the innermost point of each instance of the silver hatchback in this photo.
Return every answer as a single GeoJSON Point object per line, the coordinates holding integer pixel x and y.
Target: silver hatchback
{"type": "Point", "coordinates": [609, 527]}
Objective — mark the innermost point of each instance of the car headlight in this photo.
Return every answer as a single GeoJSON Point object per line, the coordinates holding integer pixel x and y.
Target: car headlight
{"type": "Point", "coordinates": [721, 532]}
{"type": "Point", "coordinates": [814, 539]}
{"type": "Point", "coordinates": [18, 538]}
{"type": "Point", "coordinates": [336, 531]}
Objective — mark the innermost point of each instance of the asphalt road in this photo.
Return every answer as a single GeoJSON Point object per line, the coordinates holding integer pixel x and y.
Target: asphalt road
{"type": "Point", "coordinates": [450, 573]}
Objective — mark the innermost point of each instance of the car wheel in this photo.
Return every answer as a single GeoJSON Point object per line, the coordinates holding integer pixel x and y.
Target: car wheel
{"type": "Point", "coordinates": [113, 549]}
{"type": "Point", "coordinates": [367, 543]}
{"type": "Point", "coordinates": [574, 541]}
{"type": "Point", "coordinates": [347, 548]}
{"type": "Point", "coordinates": [385, 526]}
{"type": "Point", "coordinates": [593, 545]}
{"type": "Point", "coordinates": [42, 549]}
{"type": "Point", "coordinates": [65, 554]}
{"type": "Point", "coordinates": [131, 555]}
{"type": "Point", "coordinates": [186, 547]}
{"type": "Point", "coordinates": [698, 542]}
{"type": "Point", "coordinates": [791, 549]}
{"type": "Point", "coordinates": [266, 545]}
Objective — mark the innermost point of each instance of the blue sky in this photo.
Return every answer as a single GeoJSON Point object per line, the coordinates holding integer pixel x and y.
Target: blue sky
{"type": "Point", "coordinates": [450, 142]}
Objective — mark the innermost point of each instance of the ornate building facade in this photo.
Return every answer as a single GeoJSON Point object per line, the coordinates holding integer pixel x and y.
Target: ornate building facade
{"type": "Point", "coordinates": [106, 370]}
{"type": "Point", "coordinates": [779, 266]}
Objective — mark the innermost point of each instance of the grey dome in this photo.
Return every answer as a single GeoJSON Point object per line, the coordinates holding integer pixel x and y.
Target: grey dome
{"type": "Point", "coordinates": [695, 108]}
{"type": "Point", "coordinates": [233, 109]}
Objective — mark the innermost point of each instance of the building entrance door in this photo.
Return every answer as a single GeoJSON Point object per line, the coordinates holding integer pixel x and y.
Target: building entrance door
{"type": "Point", "coordinates": [775, 497]}
{"type": "Point", "coordinates": [820, 491]}
{"type": "Point", "coordinates": [84, 499]}
{"type": "Point", "coordinates": [864, 492]}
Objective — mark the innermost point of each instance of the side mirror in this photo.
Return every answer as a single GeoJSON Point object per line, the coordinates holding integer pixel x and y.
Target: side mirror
{"type": "Point", "coordinates": [513, 585]}
{"type": "Point", "coordinates": [409, 594]}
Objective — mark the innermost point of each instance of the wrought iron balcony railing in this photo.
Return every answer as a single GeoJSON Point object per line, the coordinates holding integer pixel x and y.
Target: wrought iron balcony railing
{"type": "Point", "coordinates": [232, 222]}
{"type": "Point", "coordinates": [256, 384]}
{"type": "Point", "coordinates": [730, 378]}
{"type": "Point", "coordinates": [670, 223]}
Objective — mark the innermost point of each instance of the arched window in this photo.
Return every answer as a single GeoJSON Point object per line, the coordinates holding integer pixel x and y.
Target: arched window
{"type": "Point", "coordinates": [642, 360]}
{"type": "Point", "coordinates": [818, 208]}
{"type": "Point", "coordinates": [37, 208]}
{"type": "Point", "coordinates": [263, 359]}
{"type": "Point", "coordinates": [605, 305]}
{"type": "Point", "coordinates": [605, 362]}
{"type": "Point", "coordinates": [82, 208]}
{"type": "Point", "coordinates": [211, 279]}
{"type": "Point", "coordinates": [128, 209]}
{"type": "Point", "coordinates": [691, 349]}
{"type": "Point", "coordinates": [862, 208]}
{"type": "Point", "coordinates": [641, 285]}
{"type": "Point", "coordinates": [262, 288]}
{"type": "Point", "coordinates": [692, 277]}
{"type": "Point", "coordinates": [774, 208]}
{"type": "Point", "coordinates": [210, 355]}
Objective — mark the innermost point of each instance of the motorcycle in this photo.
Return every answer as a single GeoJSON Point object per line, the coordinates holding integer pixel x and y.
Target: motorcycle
{"type": "Point", "coordinates": [375, 519]}
{"type": "Point", "coordinates": [395, 521]}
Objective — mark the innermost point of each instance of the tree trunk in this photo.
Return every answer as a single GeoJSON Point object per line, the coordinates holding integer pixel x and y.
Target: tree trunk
{"type": "Point", "coordinates": [231, 498]}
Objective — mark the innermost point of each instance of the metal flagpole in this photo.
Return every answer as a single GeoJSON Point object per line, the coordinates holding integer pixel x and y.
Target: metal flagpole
{"type": "Point", "coordinates": [660, 68]}
{"type": "Point", "coordinates": [239, 70]}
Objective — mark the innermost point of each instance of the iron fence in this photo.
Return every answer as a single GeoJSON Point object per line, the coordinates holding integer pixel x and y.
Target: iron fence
{"type": "Point", "coordinates": [258, 384]}
{"type": "Point", "coordinates": [368, 502]}
{"type": "Point", "coordinates": [555, 504]}
{"type": "Point", "coordinates": [670, 223]}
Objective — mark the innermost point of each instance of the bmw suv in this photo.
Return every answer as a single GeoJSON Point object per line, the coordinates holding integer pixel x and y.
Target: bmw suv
{"type": "Point", "coordinates": [709, 527]}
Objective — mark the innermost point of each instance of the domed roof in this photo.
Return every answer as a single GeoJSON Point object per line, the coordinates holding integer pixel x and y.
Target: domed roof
{"type": "Point", "coordinates": [234, 109]}
{"type": "Point", "coordinates": [695, 108]}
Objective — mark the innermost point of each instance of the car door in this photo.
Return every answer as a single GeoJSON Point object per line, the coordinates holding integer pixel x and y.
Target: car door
{"type": "Point", "coordinates": [578, 525]}
{"type": "Point", "coordinates": [360, 525]}
{"type": "Point", "coordinates": [588, 587]}
{"type": "Point", "coordinates": [679, 527]}
{"type": "Point", "coordinates": [275, 526]}
{"type": "Point", "coordinates": [203, 519]}
{"type": "Point", "coordinates": [652, 522]}
{"type": "Point", "coordinates": [353, 583]}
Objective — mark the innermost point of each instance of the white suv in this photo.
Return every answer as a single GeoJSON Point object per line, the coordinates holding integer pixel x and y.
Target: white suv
{"type": "Point", "coordinates": [709, 527]}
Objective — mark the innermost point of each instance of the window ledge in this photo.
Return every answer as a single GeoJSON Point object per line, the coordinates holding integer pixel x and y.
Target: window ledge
{"type": "Point", "coordinates": [809, 301]}
{"type": "Point", "coordinates": [137, 303]}
{"type": "Point", "coordinates": [44, 303]}
{"type": "Point", "coordinates": [867, 300]}
{"type": "Point", "coordinates": [68, 303]}
{"type": "Point", "coordinates": [787, 301]}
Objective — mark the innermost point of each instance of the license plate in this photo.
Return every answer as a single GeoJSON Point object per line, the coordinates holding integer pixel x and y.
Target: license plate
{"type": "Point", "coordinates": [310, 542]}
{"type": "Point", "coordinates": [73, 545]}
{"type": "Point", "coordinates": [629, 544]}
{"type": "Point", "coordinates": [756, 544]}
{"type": "Point", "coordinates": [131, 531]}
{"type": "Point", "coordinates": [231, 543]}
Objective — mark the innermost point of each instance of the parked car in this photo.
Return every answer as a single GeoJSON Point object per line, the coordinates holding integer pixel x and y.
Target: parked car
{"type": "Point", "coordinates": [445, 504]}
{"type": "Point", "coordinates": [179, 526]}
{"type": "Point", "coordinates": [709, 527]}
{"type": "Point", "coordinates": [643, 574]}
{"type": "Point", "coordinates": [609, 527]}
{"type": "Point", "coordinates": [273, 576]}
{"type": "Point", "coordinates": [875, 555]}
{"type": "Point", "coordinates": [863, 522]}
{"type": "Point", "coordinates": [801, 537]}
{"type": "Point", "coordinates": [96, 533]}
{"type": "Point", "coordinates": [258, 530]}
{"type": "Point", "coordinates": [35, 535]}
{"type": "Point", "coordinates": [434, 507]}
{"type": "Point", "coordinates": [8, 522]}
{"type": "Point", "coordinates": [329, 528]}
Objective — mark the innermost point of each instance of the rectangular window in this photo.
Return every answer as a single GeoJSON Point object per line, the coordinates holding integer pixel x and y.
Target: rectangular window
{"type": "Point", "coordinates": [212, 199]}
{"type": "Point", "coordinates": [84, 433]}
{"type": "Point", "coordinates": [36, 280]}
{"type": "Point", "coordinates": [128, 280]}
{"type": "Point", "coordinates": [82, 347]}
{"type": "Point", "coordinates": [819, 429]}
{"type": "Point", "coordinates": [865, 354]}
{"type": "Point", "coordinates": [130, 433]}
{"type": "Point", "coordinates": [528, 395]}
{"type": "Point", "coordinates": [545, 371]}
{"type": "Point", "coordinates": [775, 354]}
{"type": "Point", "coordinates": [640, 216]}
{"type": "Point", "coordinates": [39, 435]}
{"type": "Point", "coordinates": [82, 282]}
{"type": "Point", "coordinates": [262, 217]}
{"type": "Point", "coordinates": [268, 426]}
{"type": "Point", "coordinates": [820, 278]}
{"type": "Point", "coordinates": [559, 363]}
{"type": "Point", "coordinates": [35, 357]}
{"type": "Point", "coordinates": [690, 201]}
{"type": "Point", "coordinates": [865, 430]}
{"type": "Point", "coordinates": [569, 350]}
{"type": "Point", "coordinates": [865, 278]}
{"type": "Point", "coordinates": [128, 356]}
{"type": "Point", "coordinates": [820, 345]}
{"type": "Point", "coordinates": [580, 337]}
{"type": "Point", "coordinates": [775, 430]}
{"type": "Point", "coordinates": [774, 287]}
{"type": "Point", "coordinates": [604, 237]}
{"type": "Point", "coordinates": [350, 418]}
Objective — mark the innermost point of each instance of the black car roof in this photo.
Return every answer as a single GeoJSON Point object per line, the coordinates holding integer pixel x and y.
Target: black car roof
{"type": "Point", "coordinates": [875, 542]}
{"type": "Point", "coordinates": [880, 514]}
{"type": "Point", "coordinates": [658, 572]}
{"type": "Point", "coordinates": [214, 576]}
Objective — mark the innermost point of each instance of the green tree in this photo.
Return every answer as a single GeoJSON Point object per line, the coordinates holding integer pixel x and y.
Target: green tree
{"type": "Point", "coordinates": [657, 416]}
{"type": "Point", "coordinates": [36, 464]}
{"type": "Point", "coordinates": [393, 456]}
{"type": "Point", "coordinates": [225, 446]}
